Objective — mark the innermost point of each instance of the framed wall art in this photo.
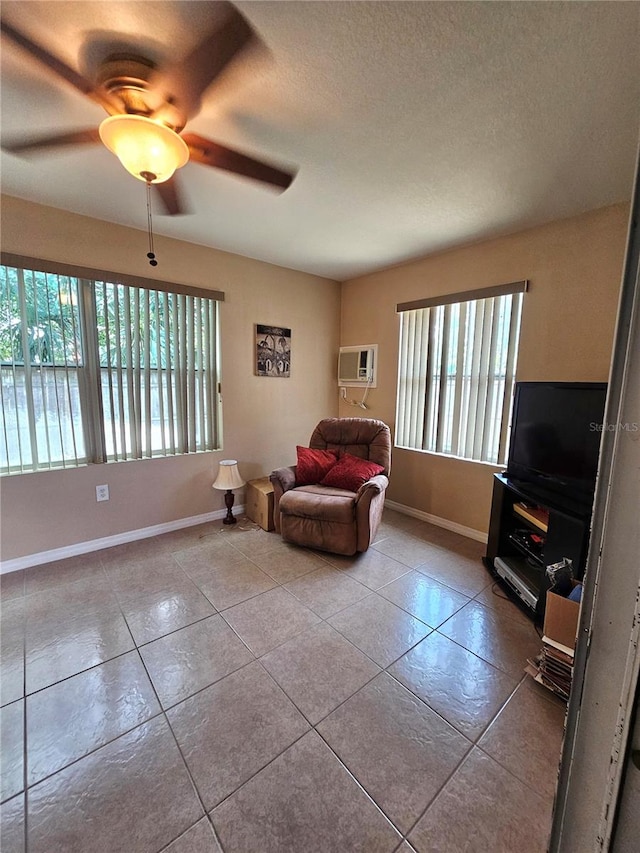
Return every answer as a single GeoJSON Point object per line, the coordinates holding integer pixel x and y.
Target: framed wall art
{"type": "Point", "coordinates": [273, 351]}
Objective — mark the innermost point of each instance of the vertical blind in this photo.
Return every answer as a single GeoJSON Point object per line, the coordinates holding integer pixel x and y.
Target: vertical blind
{"type": "Point", "coordinates": [96, 370]}
{"type": "Point", "coordinates": [456, 372]}
{"type": "Point", "coordinates": [41, 371]}
{"type": "Point", "coordinates": [158, 371]}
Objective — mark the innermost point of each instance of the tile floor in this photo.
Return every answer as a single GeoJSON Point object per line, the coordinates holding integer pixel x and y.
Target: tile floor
{"type": "Point", "coordinates": [216, 689]}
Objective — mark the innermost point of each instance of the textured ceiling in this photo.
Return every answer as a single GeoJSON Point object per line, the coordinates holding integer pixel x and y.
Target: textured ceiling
{"type": "Point", "coordinates": [415, 126]}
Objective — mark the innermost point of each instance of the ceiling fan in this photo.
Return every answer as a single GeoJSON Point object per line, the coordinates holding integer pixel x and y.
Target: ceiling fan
{"type": "Point", "coordinates": [149, 106]}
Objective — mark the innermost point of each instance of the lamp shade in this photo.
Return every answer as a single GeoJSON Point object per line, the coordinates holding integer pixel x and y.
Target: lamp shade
{"type": "Point", "coordinates": [144, 147]}
{"type": "Point", "coordinates": [228, 476]}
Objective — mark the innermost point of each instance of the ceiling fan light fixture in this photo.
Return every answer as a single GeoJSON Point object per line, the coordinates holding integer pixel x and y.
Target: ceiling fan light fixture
{"type": "Point", "coordinates": [144, 147]}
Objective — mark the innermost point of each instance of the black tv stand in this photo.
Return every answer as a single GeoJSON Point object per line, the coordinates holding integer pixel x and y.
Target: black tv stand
{"type": "Point", "coordinates": [529, 529]}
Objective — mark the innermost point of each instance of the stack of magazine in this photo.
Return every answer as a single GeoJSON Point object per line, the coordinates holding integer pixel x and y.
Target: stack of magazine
{"type": "Point", "coordinates": [553, 667]}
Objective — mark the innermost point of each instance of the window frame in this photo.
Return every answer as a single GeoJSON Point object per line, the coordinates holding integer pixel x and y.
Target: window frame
{"type": "Point", "coordinates": [90, 284]}
{"type": "Point", "coordinates": [426, 337]}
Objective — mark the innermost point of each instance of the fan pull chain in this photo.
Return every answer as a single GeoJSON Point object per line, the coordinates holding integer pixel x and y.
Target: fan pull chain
{"type": "Point", "coordinates": [150, 254]}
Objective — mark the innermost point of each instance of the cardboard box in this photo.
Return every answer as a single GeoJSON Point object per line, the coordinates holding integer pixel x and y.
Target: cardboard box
{"type": "Point", "coordinates": [259, 502]}
{"type": "Point", "coordinates": [561, 619]}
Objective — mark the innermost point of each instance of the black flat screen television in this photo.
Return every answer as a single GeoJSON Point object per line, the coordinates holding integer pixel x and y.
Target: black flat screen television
{"type": "Point", "coordinates": [556, 429]}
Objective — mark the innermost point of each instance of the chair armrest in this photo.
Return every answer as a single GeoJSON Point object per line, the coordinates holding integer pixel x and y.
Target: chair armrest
{"type": "Point", "coordinates": [372, 487]}
{"type": "Point", "coordinates": [369, 505]}
{"type": "Point", "coordinates": [283, 479]}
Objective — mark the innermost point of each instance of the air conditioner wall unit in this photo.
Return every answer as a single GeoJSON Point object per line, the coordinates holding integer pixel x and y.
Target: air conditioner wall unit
{"type": "Point", "coordinates": [358, 366]}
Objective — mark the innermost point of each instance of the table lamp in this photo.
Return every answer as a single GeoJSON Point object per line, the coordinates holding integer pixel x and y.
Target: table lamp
{"type": "Point", "coordinates": [228, 478]}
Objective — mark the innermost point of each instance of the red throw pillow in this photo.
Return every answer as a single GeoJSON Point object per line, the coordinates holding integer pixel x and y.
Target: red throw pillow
{"type": "Point", "coordinates": [350, 472]}
{"type": "Point", "coordinates": [313, 465]}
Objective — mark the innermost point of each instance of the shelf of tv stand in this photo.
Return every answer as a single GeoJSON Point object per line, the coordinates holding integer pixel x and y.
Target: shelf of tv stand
{"type": "Point", "coordinates": [527, 552]}
{"type": "Point", "coordinates": [529, 575]}
{"type": "Point", "coordinates": [567, 535]}
{"type": "Point", "coordinates": [534, 515]}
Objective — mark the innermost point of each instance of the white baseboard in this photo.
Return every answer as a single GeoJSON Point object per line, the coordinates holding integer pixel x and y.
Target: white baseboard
{"type": "Point", "coordinates": [157, 529]}
{"type": "Point", "coordinates": [469, 532]}
{"type": "Point", "coordinates": [109, 541]}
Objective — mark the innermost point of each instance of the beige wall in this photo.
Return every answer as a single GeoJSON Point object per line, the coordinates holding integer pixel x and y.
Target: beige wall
{"type": "Point", "coordinates": [263, 419]}
{"type": "Point", "coordinates": [574, 268]}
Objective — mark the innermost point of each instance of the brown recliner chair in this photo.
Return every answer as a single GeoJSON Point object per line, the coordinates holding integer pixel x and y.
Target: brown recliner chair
{"type": "Point", "coordinates": [329, 518]}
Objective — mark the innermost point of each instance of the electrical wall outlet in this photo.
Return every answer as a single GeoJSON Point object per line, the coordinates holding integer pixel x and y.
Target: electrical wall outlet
{"type": "Point", "coordinates": [102, 493]}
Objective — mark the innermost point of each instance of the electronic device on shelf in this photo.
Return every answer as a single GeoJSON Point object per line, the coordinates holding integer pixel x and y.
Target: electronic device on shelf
{"type": "Point", "coordinates": [529, 543]}
{"type": "Point", "coordinates": [555, 437]}
{"type": "Point", "coordinates": [527, 592]}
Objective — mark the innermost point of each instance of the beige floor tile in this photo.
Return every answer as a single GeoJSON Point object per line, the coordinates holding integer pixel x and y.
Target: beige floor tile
{"type": "Point", "coordinates": [11, 673]}
{"type": "Point", "coordinates": [318, 670]}
{"type": "Point", "coordinates": [186, 537]}
{"type": "Point", "coordinates": [372, 568]}
{"type": "Point", "coordinates": [200, 560]}
{"type": "Point", "coordinates": [153, 614]}
{"type": "Point", "coordinates": [187, 660]}
{"type": "Point", "coordinates": [245, 732]}
{"type": "Point", "coordinates": [464, 689]}
{"type": "Point", "coordinates": [326, 591]}
{"type": "Point", "coordinates": [303, 801]}
{"type": "Point", "coordinates": [253, 541]}
{"type": "Point", "coordinates": [384, 530]}
{"type": "Point", "coordinates": [450, 541]}
{"type": "Point", "coordinates": [462, 573]}
{"type": "Point", "coordinates": [234, 583]}
{"type": "Point", "coordinates": [423, 597]}
{"type": "Point", "coordinates": [132, 794]}
{"type": "Point", "coordinates": [399, 521]}
{"type": "Point", "coordinates": [432, 533]}
{"type": "Point", "coordinates": [57, 649]}
{"type": "Point", "coordinates": [464, 545]}
{"type": "Point", "coordinates": [60, 573]}
{"type": "Point", "coordinates": [147, 576]}
{"type": "Point", "coordinates": [399, 750]}
{"type": "Point", "coordinates": [229, 731]}
{"type": "Point", "coordinates": [129, 553]}
{"type": "Point", "coordinates": [502, 641]}
{"type": "Point", "coordinates": [285, 563]}
{"type": "Point", "coordinates": [11, 749]}
{"type": "Point", "coordinates": [270, 619]}
{"type": "Point", "coordinates": [12, 618]}
{"type": "Point", "coordinates": [12, 632]}
{"type": "Point", "coordinates": [531, 720]}
{"type": "Point", "coordinates": [406, 549]}
{"type": "Point", "coordinates": [92, 594]}
{"type": "Point", "coordinates": [11, 585]}
{"type": "Point", "coordinates": [381, 630]}
{"type": "Point", "coordinates": [198, 839]}
{"type": "Point", "coordinates": [483, 807]}
{"type": "Point", "coordinates": [76, 716]}
{"type": "Point", "coordinates": [12, 825]}
{"type": "Point", "coordinates": [496, 598]}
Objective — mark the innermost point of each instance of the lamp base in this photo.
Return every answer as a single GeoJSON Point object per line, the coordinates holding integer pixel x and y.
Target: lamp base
{"type": "Point", "coordinates": [229, 498]}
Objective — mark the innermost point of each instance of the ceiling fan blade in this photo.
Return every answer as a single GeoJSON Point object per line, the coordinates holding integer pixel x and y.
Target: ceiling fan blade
{"type": "Point", "coordinates": [169, 193]}
{"type": "Point", "coordinates": [184, 82]}
{"type": "Point", "coordinates": [60, 68]}
{"type": "Point", "coordinates": [35, 143]}
{"type": "Point", "coordinates": [212, 154]}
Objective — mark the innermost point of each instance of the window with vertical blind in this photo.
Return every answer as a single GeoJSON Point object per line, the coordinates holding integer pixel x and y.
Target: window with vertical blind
{"type": "Point", "coordinates": [98, 367]}
{"type": "Point", "coordinates": [456, 372]}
